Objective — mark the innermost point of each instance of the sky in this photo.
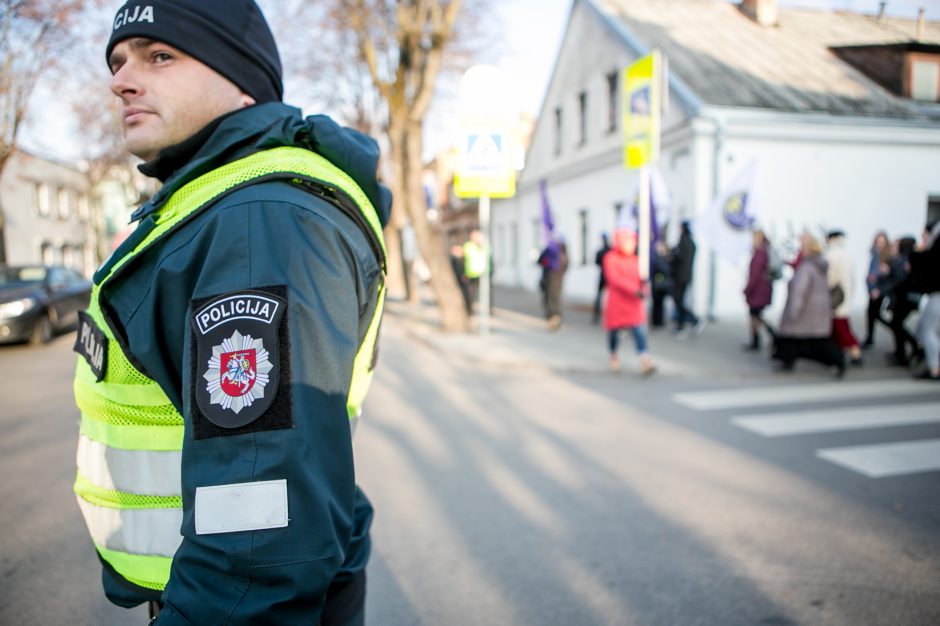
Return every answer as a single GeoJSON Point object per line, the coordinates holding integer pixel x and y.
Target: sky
{"type": "Point", "coordinates": [532, 31]}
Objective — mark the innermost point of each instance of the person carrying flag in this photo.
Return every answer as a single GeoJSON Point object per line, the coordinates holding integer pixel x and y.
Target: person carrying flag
{"type": "Point", "coordinates": [626, 309]}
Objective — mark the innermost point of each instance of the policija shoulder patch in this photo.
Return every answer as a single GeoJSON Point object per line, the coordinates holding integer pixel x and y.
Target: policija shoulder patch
{"type": "Point", "coordinates": [92, 344]}
{"type": "Point", "coordinates": [241, 358]}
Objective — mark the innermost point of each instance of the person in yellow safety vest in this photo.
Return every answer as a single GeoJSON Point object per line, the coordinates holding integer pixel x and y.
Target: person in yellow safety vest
{"type": "Point", "coordinates": [230, 339]}
{"type": "Point", "coordinates": [476, 263]}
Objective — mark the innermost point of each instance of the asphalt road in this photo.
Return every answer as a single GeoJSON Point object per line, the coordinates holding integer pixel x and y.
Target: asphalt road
{"type": "Point", "coordinates": [510, 496]}
{"type": "Point", "coordinates": [520, 496]}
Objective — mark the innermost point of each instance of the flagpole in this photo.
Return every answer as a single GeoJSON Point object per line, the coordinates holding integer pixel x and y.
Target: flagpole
{"type": "Point", "coordinates": [485, 279]}
{"type": "Point", "coordinates": [643, 236]}
{"type": "Point", "coordinates": [716, 190]}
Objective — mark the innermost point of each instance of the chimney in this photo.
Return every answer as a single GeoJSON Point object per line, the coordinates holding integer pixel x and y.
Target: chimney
{"type": "Point", "coordinates": [764, 12]}
{"type": "Point", "coordinates": [921, 24]}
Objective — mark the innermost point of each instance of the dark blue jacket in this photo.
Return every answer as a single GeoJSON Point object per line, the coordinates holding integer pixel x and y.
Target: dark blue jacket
{"type": "Point", "coordinates": [271, 236]}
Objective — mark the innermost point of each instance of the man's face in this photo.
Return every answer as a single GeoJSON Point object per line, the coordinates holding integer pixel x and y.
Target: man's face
{"type": "Point", "coordinates": [167, 95]}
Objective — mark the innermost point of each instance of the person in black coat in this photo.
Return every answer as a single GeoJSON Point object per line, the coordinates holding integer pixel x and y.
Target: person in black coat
{"type": "Point", "coordinates": [601, 281]}
{"type": "Point", "coordinates": [661, 283]}
{"type": "Point", "coordinates": [896, 287]}
{"type": "Point", "coordinates": [925, 275]}
{"type": "Point", "coordinates": [683, 262]}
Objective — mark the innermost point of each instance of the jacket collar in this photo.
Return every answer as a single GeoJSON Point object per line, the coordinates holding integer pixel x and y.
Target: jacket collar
{"type": "Point", "coordinates": [263, 127]}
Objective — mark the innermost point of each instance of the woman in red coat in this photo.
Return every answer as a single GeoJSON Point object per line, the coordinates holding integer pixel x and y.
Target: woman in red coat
{"type": "Point", "coordinates": [625, 309]}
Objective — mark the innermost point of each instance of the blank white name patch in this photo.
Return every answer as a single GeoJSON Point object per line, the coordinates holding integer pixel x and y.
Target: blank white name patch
{"type": "Point", "coordinates": [242, 506]}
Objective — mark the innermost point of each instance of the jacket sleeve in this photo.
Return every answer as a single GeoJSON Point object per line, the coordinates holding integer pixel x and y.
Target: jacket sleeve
{"type": "Point", "coordinates": [324, 268]}
{"type": "Point", "coordinates": [757, 271]}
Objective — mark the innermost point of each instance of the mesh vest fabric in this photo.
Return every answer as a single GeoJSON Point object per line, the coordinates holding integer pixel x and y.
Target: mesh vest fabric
{"type": "Point", "coordinates": [131, 436]}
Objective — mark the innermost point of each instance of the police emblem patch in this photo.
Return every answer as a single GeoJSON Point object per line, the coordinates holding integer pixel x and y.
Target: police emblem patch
{"type": "Point", "coordinates": [238, 372]}
{"type": "Point", "coordinates": [237, 341]}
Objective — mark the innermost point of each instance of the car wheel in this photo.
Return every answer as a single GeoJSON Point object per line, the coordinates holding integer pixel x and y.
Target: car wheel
{"type": "Point", "coordinates": [42, 331]}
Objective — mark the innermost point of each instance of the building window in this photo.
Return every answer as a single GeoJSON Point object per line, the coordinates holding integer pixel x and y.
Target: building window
{"type": "Point", "coordinates": [514, 243]}
{"type": "Point", "coordinates": [43, 199]}
{"type": "Point", "coordinates": [65, 203]}
{"type": "Point", "coordinates": [558, 131]}
{"type": "Point", "coordinates": [613, 102]}
{"type": "Point", "coordinates": [582, 117]}
{"type": "Point", "coordinates": [46, 253]}
{"type": "Point", "coordinates": [933, 209]}
{"type": "Point", "coordinates": [88, 254]}
{"type": "Point", "coordinates": [925, 80]}
{"type": "Point", "coordinates": [83, 207]}
{"type": "Point", "coordinates": [583, 235]}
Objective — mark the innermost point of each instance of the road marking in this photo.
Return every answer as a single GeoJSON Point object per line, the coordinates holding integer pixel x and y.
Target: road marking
{"type": "Point", "coordinates": [887, 459]}
{"type": "Point", "coordinates": [805, 422]}
{"type": "Point", "coordinates": [803, 394]}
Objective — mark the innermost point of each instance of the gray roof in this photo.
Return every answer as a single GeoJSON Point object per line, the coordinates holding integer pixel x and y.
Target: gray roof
{"type": "Point", "coordinates": [727, 59]}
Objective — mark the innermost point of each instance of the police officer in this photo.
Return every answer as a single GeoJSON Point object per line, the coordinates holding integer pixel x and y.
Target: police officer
{"type": "Point", "coordinates": [230, 339]}
{"type": "Point", "coordinates": [475, 265]}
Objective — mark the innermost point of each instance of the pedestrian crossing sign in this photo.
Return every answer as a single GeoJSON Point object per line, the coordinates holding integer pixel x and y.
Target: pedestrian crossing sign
{"type": "Point", "coordinates": [485, 164]}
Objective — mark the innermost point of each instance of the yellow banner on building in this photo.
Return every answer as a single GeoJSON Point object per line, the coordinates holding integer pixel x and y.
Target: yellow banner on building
{"type": "Point", "coordinates": [641, 107]}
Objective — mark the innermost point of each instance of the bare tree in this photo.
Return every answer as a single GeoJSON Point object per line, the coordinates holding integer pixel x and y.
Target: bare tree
{"type": "Point", "coordinates": [377, 65]}
{"type": "Point", "coordinates": [97, 115]}
{"type": "Point", "coordinates": [34, 36]}
{"type": "Point", "coordinates": [405, 45]}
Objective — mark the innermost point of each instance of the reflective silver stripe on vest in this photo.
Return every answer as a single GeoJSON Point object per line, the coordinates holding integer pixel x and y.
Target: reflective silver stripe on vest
{"type": "Point", "coordinates": [154, 532]}
{"type": "Point", "coordinates": [144, 472]}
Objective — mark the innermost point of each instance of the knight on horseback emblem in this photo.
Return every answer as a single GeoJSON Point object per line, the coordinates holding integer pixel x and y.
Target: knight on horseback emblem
{"type": "Point", "coordinates": [237, 372]}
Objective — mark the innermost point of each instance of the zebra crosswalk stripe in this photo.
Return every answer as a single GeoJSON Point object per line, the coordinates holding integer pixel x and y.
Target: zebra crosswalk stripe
{"type": "Point", "coordinates": [859, 418]}
{"type": "Point", "coordinates": [803, 394]}
{"type": "Point", "coordinates": [887, 459]}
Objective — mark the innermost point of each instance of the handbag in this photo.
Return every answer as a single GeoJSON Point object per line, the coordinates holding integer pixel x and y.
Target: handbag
{"type": "Point", "coordinates": [836, 296]}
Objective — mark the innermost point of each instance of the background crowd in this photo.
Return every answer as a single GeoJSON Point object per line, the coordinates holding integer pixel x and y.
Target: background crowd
{"type": "Point", "coordinates": [903, 280]}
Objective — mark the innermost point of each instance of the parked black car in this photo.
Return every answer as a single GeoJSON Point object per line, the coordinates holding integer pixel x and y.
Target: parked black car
{"type": "Point", "coordinates": [38, 301]}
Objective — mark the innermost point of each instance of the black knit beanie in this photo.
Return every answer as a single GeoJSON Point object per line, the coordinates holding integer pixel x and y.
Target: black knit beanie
{"type": "Point", "coordinates": [230, 36]}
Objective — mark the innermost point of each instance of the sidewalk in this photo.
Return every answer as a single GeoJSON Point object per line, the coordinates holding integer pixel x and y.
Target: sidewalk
{"type": "Point", "coordinates": [518, 339]}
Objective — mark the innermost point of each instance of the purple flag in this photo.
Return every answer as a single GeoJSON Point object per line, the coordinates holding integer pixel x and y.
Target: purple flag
{"type": "Point", "coordinates": [548, 224]}
{"type": "Point", "coordinates": [660, 206]}
{"type": "Point", "coordinates": [551, 255]}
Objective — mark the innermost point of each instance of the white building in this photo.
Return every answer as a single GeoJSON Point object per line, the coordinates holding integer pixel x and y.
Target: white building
{"type": "Point", "coordinates": [836, 146]}
{"type": "Point", "coordinates": [47, 214]}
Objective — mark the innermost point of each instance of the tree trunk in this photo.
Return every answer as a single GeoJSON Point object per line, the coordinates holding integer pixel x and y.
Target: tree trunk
{"type": "Point", "coordinates": [443, 282]}
{"type": "Point", "coordinates": [3, 236]}
{"type": "Point", "coordinates": [5, 154]}
{"type": "Point", "coordinates": [395, 280]}
{"type": "Point", "coordinates": [398, 287]}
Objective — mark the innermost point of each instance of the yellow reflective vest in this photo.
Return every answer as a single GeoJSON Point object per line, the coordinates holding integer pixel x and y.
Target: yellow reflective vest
{"type": "Point", "coordinates": [475, 263]}
{"type": "Point", "coordinates": [129, 452]}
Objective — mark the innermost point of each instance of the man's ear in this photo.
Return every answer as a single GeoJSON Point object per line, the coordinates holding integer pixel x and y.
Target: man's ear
{"type": "Point", "coordinates": [247, 100]}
